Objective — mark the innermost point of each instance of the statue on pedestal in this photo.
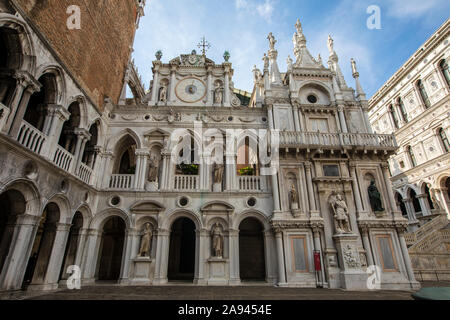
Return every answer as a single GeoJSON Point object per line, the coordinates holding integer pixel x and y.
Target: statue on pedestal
{"type": "Point", "coordinates": [266, 62]}
{"type": "Point", "coordinates": [146, 241]}
{"type": "Point", "coordinates": [272, 41]}
{"type": "Point", "coordinates": [293, 197]}
{"type": "Point", "coordinates": [375, 197]}
{"type": "Point", "coordinates": [217, 241]}
{"type": "Point", "coordinates": [340, 209]}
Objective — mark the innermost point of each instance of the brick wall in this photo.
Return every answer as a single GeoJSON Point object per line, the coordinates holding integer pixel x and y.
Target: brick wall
{"type": "Point", "coordinates": [96, 55]}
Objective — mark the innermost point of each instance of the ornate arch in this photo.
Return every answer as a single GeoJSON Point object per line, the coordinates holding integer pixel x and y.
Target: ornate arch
{"type": "Point", "coordinates": [64, 207]}
{"type": "Point", "coordinates": [171, 217]}
{"type": "Point", "coordinates": [252, 213]}
{"type": "Point", "coordinates": [320, 86]}
{"type": "Point", "coordinates": [30, 193]}
{"type": "Point", "coordinates": [111, 144]}
{"type": "Point", "coordinates": [86, 212]}
{"type": "Point", "coordinates": [58, 73]}
{"type": "Point", "coordinates": [101, 218]}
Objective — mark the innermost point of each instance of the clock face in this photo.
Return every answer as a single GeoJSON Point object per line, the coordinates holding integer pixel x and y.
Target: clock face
{"type": "Point", "coordinates": [190, 90]}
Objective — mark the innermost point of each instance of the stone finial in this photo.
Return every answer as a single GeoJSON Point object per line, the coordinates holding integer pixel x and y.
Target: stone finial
{"type": "Point", "coordinates": [226, 56]}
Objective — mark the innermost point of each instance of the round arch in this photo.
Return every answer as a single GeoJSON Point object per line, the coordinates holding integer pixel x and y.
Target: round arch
{"type": "Point", "coordinates": [58, 73]}
{"type": "Point", "coordinates": [64, 207]}
{"type": "Point", "coordinates": [252, 213]}
{"type": "Point", "coordinates": [172, 216]}
{"type": "Point", "coordinates": [319, 86]}
{"type": "Point", "coordinates": [30, 193]}
{"type": "Point", "coordinates": [101, 218]}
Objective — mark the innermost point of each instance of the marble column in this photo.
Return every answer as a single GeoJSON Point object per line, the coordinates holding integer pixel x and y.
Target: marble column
{"type": "Point", "coordinates": [423, 199]}
{"type": "Point", "coordinates": [82, 235]}
{"type": "Point", "coordinates": [140, 177]}
{"type": "Point", "coordinates": [275, 192]}
{"type": "Point", "coordinates": [410, 209]}
{"type": "Point", "coordinates": [366, 244]}
{"type": "Point", "coordinates": [296, 118]}
{"type": "Point", "coordinates": [280, 257]}
{"type": "Point", "coordinates": [106, 170]}
{"type": "Point", "coordinates": [90, 255]}
{"type": "Point", "coordinates": [56, 116]}
{"type": "Point", "coordinates": [356, 190]}
{"type": "Point", "coordinates": [127, 256]}
{"type": "Point", "coordinates": [155, 89]}
{"type": "Point", "coordinates": [401, 232]}
{"type": "Point", "coordinates": [162, 256]}
{"type": "Point", "coordinates": [309, 183]}
{"type": "Point", "coordinates": [173, 80]}
{"type": "Point", "coordinates": [15, 264]}
{"type": "Point", "coordinates": [231, 171]}
{"type": "Point", "coordinates": [202, 238]}
{"type": "Point", "coordinates": [14, 104]}
{"type": "Point", "coordinates": [234, 257]}
{"type": "Point", "coordinates": [342, 119]}
{"type": "Point", "coordinates": [270, 116]}
{"type": "Point", "coordinates": [21, 109]}
{"type": "Point", "coordinates": [227, 92]}
{"type": "Point", "coordinates": [57, 254]}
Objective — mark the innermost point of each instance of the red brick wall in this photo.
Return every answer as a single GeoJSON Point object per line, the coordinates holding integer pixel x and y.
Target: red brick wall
{"type": "Point", "coordinates": [97, 54]}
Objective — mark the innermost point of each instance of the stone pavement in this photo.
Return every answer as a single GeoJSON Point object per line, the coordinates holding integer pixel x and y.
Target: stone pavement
{"type": "Point", "coordinates": [186, 292]}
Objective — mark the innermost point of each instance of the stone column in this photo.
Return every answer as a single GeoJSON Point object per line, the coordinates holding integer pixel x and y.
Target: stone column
{"type": "Point", "coordinates": [155, 90]}
{"type": "Point", "coordinates": [230, 170]}
{"type": "Point", "coordinates": [356, 191]}
{"type": "Point", "coordinates": [365, 113]}
{"type": "Point", "coordinates": [21, 109]}
{"type": "Point", "coordinates": [227, 93]}
{"type": "Point", "coordinates": [164, 172]}
{"type": "Point", "coordinates": [162, 256]}
{"type": "Point", "coordinates": [173, 80]}
{"type": "Point", "coordinates": [127, 256]}
{"type": "Point", "coordinates": [309, 183]}
{"type": "Point", "coordinates": [296, 118]}
{"type": "Point", "coordinates": [338, 122]}
{"type": "Point", "coordinates": [209, 98]}
{"type": "Point", "coordinates": [342, 119]}
{"type": "Point", "coordinates": [83, 136]}
{"type": "Point", "coordinates": [400, 114]}
{"type": "Point", "coordinates": [401, 232]}
{"type": "Point", "coordinates": [410, 209]}
{"type": "Point", "coordinates": [142, 156]}
{"type": "Point", "coordinates": [423, 199]}
{"type": "Point", "coordinates": [56, 116]}
{"type": "Point", "coordinates": [390, 190]}
{"type": "Point", "coordinates": [445, 201]}
{"type": "Point", "coordinates": [202, 238]}
{"type": "Point", "coordinates": [302, 120]}
{"type": "Point", "coordinates": [90, 255]}
{"type": "Point", "coordinates": [106, 172]}
{"type": "Point", "coordinates": [57, 254]}
{"type": "Point", "coordinates": [275, 192]}
{"type": "Point", "coordinates": [82, 235]}
{"type": "Point", "coordinates": [318, 247]}
{"type": "Point", "coordinates": [270, 116]}
{"type": "Point", "coordinates": [15, 264]}
{"type": "Point", "coordinates": [234, 257]}
{"type": "Point", "coordinates": [18, 92]}
{"type": "Point", "coordinates": [366, 242]}
{"type": "Point", "coordinates": [280, 257]}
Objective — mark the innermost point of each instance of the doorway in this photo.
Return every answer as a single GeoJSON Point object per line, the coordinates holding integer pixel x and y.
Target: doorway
{"type": "Point", "coordinates": [182, 251]}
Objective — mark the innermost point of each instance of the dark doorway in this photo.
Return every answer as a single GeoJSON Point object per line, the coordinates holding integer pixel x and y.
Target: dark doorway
{"type": "Point", "coordinates": [42, 248]}
{"type": "Point", "coordinates": [111, 249]}
{"type": "Point", "coordinates": [252, 266]}
{"type": "Point", "coordinates": [182, 250]}
{"type": "Point", "coordinates": [72, 245]}
{"type": "Point", "coordinates": [12, 203]}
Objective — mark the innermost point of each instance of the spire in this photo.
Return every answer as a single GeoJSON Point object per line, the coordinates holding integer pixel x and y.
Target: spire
{"type": "Point", "coordinates": [333, 63]}
{"type": "Point", "coordinates": [304, 58]}
{"type": "Point", "coordinates": [360, 95]}
{"type": "Point", "coordinates": [275, 76]}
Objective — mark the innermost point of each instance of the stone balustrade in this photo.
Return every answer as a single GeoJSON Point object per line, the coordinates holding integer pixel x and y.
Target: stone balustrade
{"type": "Point", "coordinates": [84, 173]}
{"type": "Point", "coordinates": [249, 183]}
{"type": "Point", "coordinates": [311, 139]}
{"type": "Point", "coordinates": [63, 158]}
{"type": "Point", "coordinates": [186, 183]}
{"type": "Point", "coordinates": [31, 138]}
{"type": "Point", "coordinates": [122, 181]}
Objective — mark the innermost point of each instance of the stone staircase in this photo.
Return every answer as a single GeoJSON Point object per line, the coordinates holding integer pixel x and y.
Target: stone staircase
{"type": "Point", "coordinates": [429, 249]}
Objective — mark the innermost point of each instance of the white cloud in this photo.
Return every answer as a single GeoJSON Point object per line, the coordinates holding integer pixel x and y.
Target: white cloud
{"type": "Point", "coordinates": [241, 4]}
{"type": "Point", "coordinates": [265, 9]}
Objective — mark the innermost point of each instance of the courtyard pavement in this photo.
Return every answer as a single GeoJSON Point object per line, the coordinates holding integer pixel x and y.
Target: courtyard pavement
{"type": "Point", "coordinates": [185, 292]}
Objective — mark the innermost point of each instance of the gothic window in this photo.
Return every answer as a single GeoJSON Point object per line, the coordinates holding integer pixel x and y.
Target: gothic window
{"type": "Point", "coordinates": [394, 116]}
{"type": "Point", "coordinates": [445, 71]}
{"type": "Point", "coordinates": [423, 94]}
{"type": "Point", "coordinates": [416, 202]}
{"type": "Point", "coordinates": [401, 204]}
{"type": "Point", "coordinates": [402, 109]}
{"type": "Point", "coordinates": [444, 139]}
{"type": "Point", "coordinates": [427, 192]}
{"type": "Point", "coordinates": [411, 156]}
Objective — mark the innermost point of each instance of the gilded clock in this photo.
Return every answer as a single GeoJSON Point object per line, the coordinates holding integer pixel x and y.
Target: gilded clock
{"type": "Point", "coordinates": [190, 90]}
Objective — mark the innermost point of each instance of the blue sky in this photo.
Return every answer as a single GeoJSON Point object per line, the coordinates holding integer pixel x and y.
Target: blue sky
{"type": "Point", "coordinates": [242, 26]}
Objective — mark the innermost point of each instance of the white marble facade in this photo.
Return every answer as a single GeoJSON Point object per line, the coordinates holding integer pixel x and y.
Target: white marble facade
{"type": "Point", "coordinates": [414, 105]}
{"type": "Point", "coordinates": [81, 187]}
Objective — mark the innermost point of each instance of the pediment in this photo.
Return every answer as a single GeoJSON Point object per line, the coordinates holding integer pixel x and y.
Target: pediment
{"type": "Point", "coordinates": [147, 207]}
{"type": "Point", "coordinates": [217, 206]}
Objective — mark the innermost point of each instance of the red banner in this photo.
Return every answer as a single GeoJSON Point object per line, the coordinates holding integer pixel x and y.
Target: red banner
{"type": "Point", "coordinates": [317, 264]}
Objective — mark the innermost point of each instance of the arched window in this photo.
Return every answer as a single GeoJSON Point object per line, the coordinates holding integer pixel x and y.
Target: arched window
{"type": "Point", "coordinates": [423, 94]}
{"type": "Point", "coordinates": [445, 71]}
{"type": "Point", "coordinates": [416, 202]}
{"type": "Point", "coordinates": [394, 116]}
{"type": "Point", "coordinates": [402, 109]}
{"type": "Point", "coordinates": [411, 156]}
{"type": "Point", "coordinates": [444, 139]}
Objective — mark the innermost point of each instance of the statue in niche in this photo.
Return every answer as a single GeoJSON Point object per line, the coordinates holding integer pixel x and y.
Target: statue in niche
{"type": "Point", "coordinates": [218, 94]}
{"type": "Point", "coordinates": [293, 197]}
{"type": "Point", "coordinates": [375, 197]}
{"type": "Point", "coordinates": [340, 209]}
{"type": "Point", "coordinates": [146, 241]}
{"type": "Point", "coordinates": [153, 168]}
{"type": "Point", "coordinates": [218, 172]}
{"type": "Point", "coordinates": [163, 94]}
{"type": "Point", "coordinates": [217, 241]}
{"type": "Point", "coordinates": [435, 199]}
{"type": "Point", "coordinates": [272, 41]}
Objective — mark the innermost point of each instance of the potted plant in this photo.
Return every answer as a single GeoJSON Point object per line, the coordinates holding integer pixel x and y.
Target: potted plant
{"type": "Point", "coordinates": [247, 171]}
{"type": "Point", "coordinates": [188, 169]}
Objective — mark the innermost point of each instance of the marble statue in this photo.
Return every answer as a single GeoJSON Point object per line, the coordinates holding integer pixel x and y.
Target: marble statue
{"type": "Point", "coordinates": [375, 197]}
{"type": "Point", "coordinates": [163, 94]}
{"type": "Point", "coordinates": [218, 94]}
{"type": "Point", "coordinates": [266, 62]}
{"type": "Point", "coordinates": [217, 241]}
{"type": "Point", "coordinates": [289, 62]}
{"type": "Point", "coordinates": [298, 27]}
{"type": "Point", "coordinates": [330, 44]}
{"type": "Point", "coordinates": [354, 69]}
{"type": "Point", "coordinates": [146, 241]}
{"type": "Point", "coordinates": [272, 41]}
{"type": "Point", "coordinates": [435, 199]}
{"type": "Point", "coordinates": [218, 173]}
{"type": "Point", "coordinates": [340, 209]}
{"type": "Point", "coordinates": [293, 196]}
{"type": "Point", "coordinates": [153, 169]}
